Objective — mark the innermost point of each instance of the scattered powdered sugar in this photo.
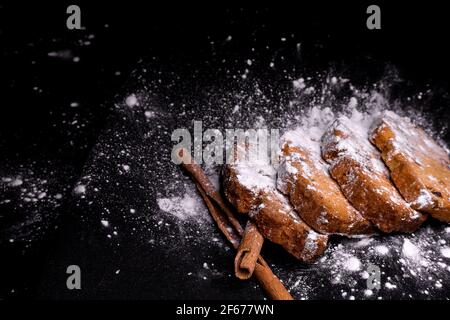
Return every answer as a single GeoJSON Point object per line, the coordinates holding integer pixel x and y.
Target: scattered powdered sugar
{"type": "Point", "coordinates": [355, 144]}
{"type": "Point", "coordinates": [79, 189]}
{"type": "Point", "coordinates": [309, 130]}
{"type": "Point", "coordinates": [256, 177]}
{"type": "Point", "coordinates": [411, 266]}
{"type": "Point", "coordinates": [252, 166]}
{"type": "Point", "coordinates": [382, 249]}
{"type": "Point", "coordinates": [308, 133]}
{"type": "Point", "coordinates": [409, 139]}
{"type": "Point", "coordinates": [390, 286]}
{"type": "Point", "coordinates": [368, 292]}
{"type": "Point", "coordinates": [410, 251]}
{"type": "Point", "coordinates": [104, 223]}
{"type": "Point", "coordinates": [314, 105]}
{"type": "Point", "coordinates": [364, 242]}
{"type": "Point", "coordinates": [417, 147]}
{"type": "Point", "coordinates": [299, 84]}
{"type": "Point", "coordinates": [404, 262]}
{"type": "Point", "coordinates": [185, 207]}
{"type": "Point", "coordinates": [445, 252]}
{"type": "Point", "coordinates": [423, 200]}
{"type": "Point", "coordinates": [310, 246]}
{"type": "Point", "coordinates": [149, 114]}
{"type": "Point", "coordinates": [353, 102]}
{"type": "Point", "coordinates": [29, 205]}
{"type": "Point", "coordinates": [16, 182]}
{"type": "Point", "coordinates": [352, 264]}
{"type": "Point", "coordinates": [131, 100]}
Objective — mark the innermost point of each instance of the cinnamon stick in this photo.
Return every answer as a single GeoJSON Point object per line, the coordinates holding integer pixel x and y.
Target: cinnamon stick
{"type": "Point", "coordinates": [248, 252]}
{"type": "Point", "coordinates": [271, 284]}
{"type": "Point", "coordinates": [223, 223]}
{"type": "Point", "coordinates": [220, 219]}
{"type": "Point", "coordinates": [231, 228]}
{"type": "Point", "coordinates": [197, 173]}
{"type": "Point", "coordinates": [268, 281]}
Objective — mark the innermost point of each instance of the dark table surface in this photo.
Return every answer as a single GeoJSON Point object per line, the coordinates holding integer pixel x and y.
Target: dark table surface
{"type": "Point", "coordinates": [64, 122]}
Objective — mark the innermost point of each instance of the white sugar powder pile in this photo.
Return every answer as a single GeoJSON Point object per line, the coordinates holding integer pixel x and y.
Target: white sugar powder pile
{"type": "Point", "coordinates": [352, 264]}
{"type": "Point", "coordinates": [131, 100]}
{"type": "Point", "coordinates": [417, 259]}
{"type": "Point", "coordinates": [410, 251]}
{"type": "Point", "coordinates": [445, 252]}
{"type": "Point", "coordinates": [184, 207]}
{"type": "Point", "coordinates": [382, 249]}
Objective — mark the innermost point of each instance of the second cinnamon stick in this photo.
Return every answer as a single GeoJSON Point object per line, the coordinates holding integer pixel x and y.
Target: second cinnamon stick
{"type": "Point", "coordinates": [248, 252]}
{"type": "Point", "coordinates": [268, 281]}
{"type": "Point", "coordinates": [271, 284]}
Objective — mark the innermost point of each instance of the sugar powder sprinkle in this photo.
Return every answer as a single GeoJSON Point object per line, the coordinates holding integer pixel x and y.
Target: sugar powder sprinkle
{"type": "Point", "coordinates": [419, 260]}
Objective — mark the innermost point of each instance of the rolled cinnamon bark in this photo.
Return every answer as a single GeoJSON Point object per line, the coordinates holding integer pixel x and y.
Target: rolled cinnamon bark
{"type": "Point", "coordinates": [268, 281]}
{"type": "Point", "coordinates": [248, 252]}
{"type": "Point", "coordinates": [220, 219]}
{"type": "Point", "coordinates": [232, 230]}
{"type": "Point", "coordinates": [200, 177]}
{"type": "Point", "coordinates": [271, 284]}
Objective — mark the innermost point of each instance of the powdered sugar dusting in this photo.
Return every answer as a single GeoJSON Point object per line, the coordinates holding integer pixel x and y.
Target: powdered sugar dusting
{"type": "Point", "coordinates": [382, 249]}
{"type": "Point", "coordinates": [445, 252]}
{"type": "Point", "coordinates": [423, 199]}
{"type": "Point", "coordinates": [410, 251]}
{"type": "Point", "coordinates": [356, 145]}
{"type": "Point", "coordinates": [309, 132]}
{"type": "Point", "coordinates": [409, 139]}
{"type": "Point", "coordinates": [352, 264]}
{"type": "Point", "coordinates": [417, 260]}
{"type": "Point", "coordinates": [256, 177]}
{"type": "Point", "coordinates": [186, 207]}
{"type": "Point", "coordinates": [411, 266]}
{"type": "Point", "coordinates": [429, 160]}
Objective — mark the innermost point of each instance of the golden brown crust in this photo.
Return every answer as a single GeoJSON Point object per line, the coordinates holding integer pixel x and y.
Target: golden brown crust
{"type": "Point", "coordinates": [271, 212]}
{"type": "Point", "coordinates": [418, 166]}
{"type": "Point", "coordinates": [278, 222]}
{"type": "Point", "coordinates": [361, 175]}
{"type": "Point", "coordinates": [248, 252]}
{"type": "Point", "coordinates": [316, 196]}
{"type": "Point", "coordinates": [240, 196]}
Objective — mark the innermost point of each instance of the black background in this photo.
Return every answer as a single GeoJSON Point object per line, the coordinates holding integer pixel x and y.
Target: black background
{"type": "Point", "coordinates": [413, 38]}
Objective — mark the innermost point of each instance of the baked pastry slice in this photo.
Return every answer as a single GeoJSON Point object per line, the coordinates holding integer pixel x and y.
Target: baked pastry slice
{"type": "Point", "coordinates": [243, 183]}
{"type": "Point", "coordinates": [279, 223]}
{"type": "Point", "coordinates": [356, 166]}
{"type": "Point", "coordinates": [303, 176]}
{"type": "Point", "coordinates": [251, 189]}
{"type": "Point", "coordinates": [419, 167]}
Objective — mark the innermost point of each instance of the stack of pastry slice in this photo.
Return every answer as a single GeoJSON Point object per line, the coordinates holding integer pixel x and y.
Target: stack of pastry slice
{"type": "Point", "coordinates": [251, 189]}
{"type": "Point", "coordinates": [350, 180]}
